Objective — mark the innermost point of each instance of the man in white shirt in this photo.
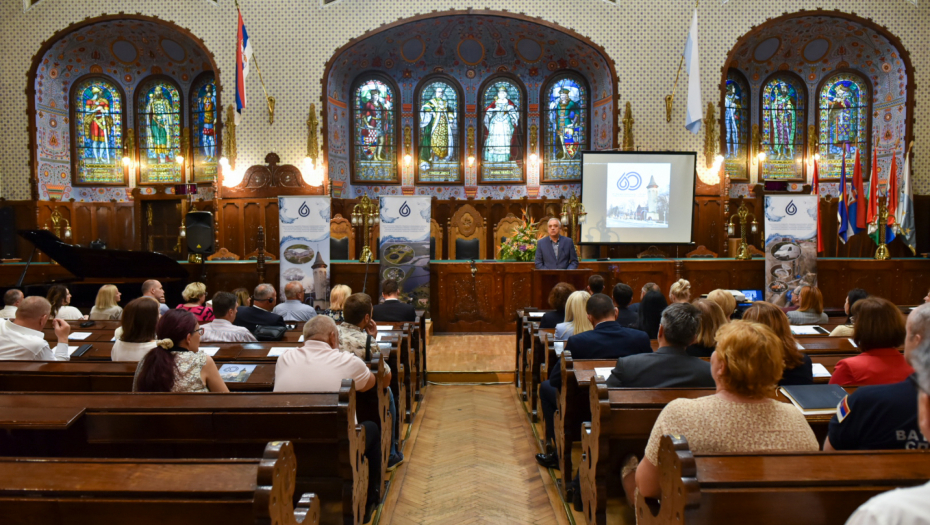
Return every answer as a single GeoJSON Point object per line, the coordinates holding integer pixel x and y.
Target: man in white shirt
{"type": "Point", "coordinates": [11, 301]}
{"type": "Point", "coordinates": [909, 506]}
{"type": "Point", "coordinates": [154, 289]}
{"type": "Point", "coordinates": [22, 339]}
{"type": "Point", "coordinates": [222, 329]}
{"type": "Point", "coordinates": [294, 309]}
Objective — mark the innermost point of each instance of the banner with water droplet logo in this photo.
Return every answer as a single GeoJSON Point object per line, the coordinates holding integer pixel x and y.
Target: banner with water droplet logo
{"type": "Point", "coordinates": [303, 223]}
{"type": "Point", "coordinates": [404, 246]}
{"type": "Point", "coordinates": [790, 246]}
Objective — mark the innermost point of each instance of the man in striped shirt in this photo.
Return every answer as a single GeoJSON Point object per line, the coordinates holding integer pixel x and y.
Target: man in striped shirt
{"type": "Point", "coordinates": [222, 329]}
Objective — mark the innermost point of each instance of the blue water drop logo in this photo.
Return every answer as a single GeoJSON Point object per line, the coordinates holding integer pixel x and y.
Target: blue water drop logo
{"type": "Point", "coordinates": [404, 210]}
{"type": "Point", "coordinates": [304, 210]}
{"type": "Point", "coordinates": [629, 181]}
{"type": "Point", "coordinates": [791, 209]}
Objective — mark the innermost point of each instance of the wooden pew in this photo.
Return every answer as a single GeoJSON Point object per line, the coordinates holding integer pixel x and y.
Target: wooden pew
{"type": "Point", "coordinates": [405, 332]}
{"type": "Point", "coordinates": [44, 491]}
{"type": "Point", "coordinates": [801, 488]}
{"type": "Point", "coordinates": [327, 440]}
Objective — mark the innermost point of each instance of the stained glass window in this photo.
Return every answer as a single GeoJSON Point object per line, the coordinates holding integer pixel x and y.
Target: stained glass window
{"type": "Point", "coordinates": [843, 124]}
{"type": "Point", "coordinates": [158, 121]}
{"type": "Point", "coordinates": [502, 151]}
{"type": "Point", "coordinates": [98, 132]}
{"type": "Point", "coordinates": [375, 132]}
{"type": "Point", "coordinates": [783, 129]}
{"type": "Point", "coordinates": [736, 114]}
{"type": "Point", "coordinates": [203, 129]}
{"type": "Point", "coordinates": [566, 129]}
{"type": "Point", "coordinates": [439, 148]}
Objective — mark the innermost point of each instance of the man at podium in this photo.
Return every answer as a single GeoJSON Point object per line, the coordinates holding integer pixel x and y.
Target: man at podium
{"type": "Point", "coordinates": [555, 252]}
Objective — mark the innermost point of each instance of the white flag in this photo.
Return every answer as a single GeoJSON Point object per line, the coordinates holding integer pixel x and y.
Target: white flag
{"type": "Point", "coordinates": [693, 65]}
{"type": "Point", "coordinates": [904, 213]}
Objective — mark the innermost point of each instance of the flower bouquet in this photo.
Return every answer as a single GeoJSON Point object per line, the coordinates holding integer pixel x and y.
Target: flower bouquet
{"type": "Point", "coordinates": [521, 246]}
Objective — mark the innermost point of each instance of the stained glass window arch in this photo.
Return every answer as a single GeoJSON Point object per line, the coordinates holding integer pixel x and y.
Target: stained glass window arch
{"type": "Point", "coordinates": [565, 130]}
{"type": "Point", "coordinates": [843, 109]}
{"type": "Point", "coordinates": [439, 128]}
{"type": "Point", "coordinates": [737, 111]}
{"type": "Point", "coordinates": [204, 123]}
{"type": "Point", "coordinates": [158, 123]}
{"type": "Point", "coordinates": [375, 101]}
{"type": "Point", "coordinates": [97, 127]}
{"type": "Point", "coordinates": [783, 127]}
{"type": "Point", "coordinates": [502, 125]}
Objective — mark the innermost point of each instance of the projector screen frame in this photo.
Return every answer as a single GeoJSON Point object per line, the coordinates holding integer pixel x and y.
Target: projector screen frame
{"type": "Point", "coordinates": [693, 155]}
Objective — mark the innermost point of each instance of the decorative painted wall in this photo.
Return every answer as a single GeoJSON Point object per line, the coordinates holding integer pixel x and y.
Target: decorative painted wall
{"type": "Point", "coordinates": [294, 39]}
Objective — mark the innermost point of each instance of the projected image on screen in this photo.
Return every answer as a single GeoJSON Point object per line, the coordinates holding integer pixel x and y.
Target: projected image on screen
{"type": "Point", "coordinates": [638, 195]}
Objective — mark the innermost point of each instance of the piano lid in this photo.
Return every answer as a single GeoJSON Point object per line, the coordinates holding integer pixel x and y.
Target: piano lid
{"type": "Point", "coordinates": [105, 264]}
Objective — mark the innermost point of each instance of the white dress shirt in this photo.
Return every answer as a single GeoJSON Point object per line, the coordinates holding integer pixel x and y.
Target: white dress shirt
{"type": "Point", "coordinates": [69, 313]}
{"type": "Point", "coordinates": [18, 343]}
{"type": "Point", "coordinates": [909, 506]}
{"type": "Point", "coordinates": [8, 312]}
{"type": "Point", "coordinates": [124, 351]}
{"type": "Point", "coordinates": [222, 331]}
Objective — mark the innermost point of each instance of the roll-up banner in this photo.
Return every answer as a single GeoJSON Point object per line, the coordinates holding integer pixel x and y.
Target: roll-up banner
{"type": "Point", "coordinates": [404, 246]}
{"type": "Point", "coordinates": [790, 245]}
{"type": "Point", "coordinates": [304, 233]}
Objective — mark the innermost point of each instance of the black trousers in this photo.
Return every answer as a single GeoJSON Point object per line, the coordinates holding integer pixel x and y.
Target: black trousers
{"type": "Point", "coordinates": [373, 454]}
{"type": "Point", "coordinates": [548, 396]}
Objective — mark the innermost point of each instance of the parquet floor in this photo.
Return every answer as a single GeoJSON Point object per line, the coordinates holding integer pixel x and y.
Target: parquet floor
{"type": "Point", "coordinates": [470, 461]}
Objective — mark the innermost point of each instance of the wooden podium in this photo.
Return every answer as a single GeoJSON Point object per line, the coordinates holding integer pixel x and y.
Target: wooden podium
{"type": "Point", "coordinates": [545, 280]}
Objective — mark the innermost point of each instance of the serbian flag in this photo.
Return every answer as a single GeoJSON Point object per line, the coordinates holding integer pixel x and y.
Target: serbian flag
{"type": "Point", "coordinates": [243, 56]}
{"type": "Point", "coordinates": [816, 192]}
{"type": "Point", "coordinates": [857, 205]}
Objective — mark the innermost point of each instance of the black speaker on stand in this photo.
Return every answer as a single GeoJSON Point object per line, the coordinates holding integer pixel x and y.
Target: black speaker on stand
{"type": "Point", "coordinates": [200, 237]}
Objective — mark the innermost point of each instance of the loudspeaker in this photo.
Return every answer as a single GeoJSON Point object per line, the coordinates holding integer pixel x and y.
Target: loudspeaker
{"type": "Point", "coordinates": [200, 232]}
{"type": "Point", "coordinates": [7, 233]}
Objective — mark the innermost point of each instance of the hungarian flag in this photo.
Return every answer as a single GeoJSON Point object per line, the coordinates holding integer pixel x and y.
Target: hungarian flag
{"type": "Point", "coordinates": [243, 56]}
{"type": "Point", "coordinates": [816, 191]}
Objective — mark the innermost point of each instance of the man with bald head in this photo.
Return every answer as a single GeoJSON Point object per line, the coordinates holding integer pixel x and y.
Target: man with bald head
{"type": "Point", "coordinates": [293, 308]}
{"type": "Point", "coordinates": [22, 339]}
{"type": "Point", "coordinates": [259, 314]}
{"type": "Point", "coordinates": [152, 288]}
{"type": "Point", "coordinates": [11, 300]}
{"type": "Point", "coordinates": [555, 252]}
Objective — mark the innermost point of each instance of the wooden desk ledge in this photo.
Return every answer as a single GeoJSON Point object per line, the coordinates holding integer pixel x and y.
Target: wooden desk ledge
{"type": "Point", "coordinates": [800, 488]}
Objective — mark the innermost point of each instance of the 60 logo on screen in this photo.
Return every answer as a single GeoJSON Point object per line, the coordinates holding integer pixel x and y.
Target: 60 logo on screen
{"type": "Point", "coordinates": [629, 181]}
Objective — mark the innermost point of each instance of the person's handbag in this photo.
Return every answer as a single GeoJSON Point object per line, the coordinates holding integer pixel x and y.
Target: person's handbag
{"type": "Point", "coordinates": [269, 333]}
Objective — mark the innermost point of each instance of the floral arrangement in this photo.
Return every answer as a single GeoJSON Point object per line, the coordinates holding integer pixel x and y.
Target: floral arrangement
{"type": "Point", "coordinates": [521, 246]}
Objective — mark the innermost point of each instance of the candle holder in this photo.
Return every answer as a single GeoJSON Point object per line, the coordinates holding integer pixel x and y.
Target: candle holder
{"type": "Point", "coordinates": [743, 215]}
{"type": "Point", "coordinates": [882, 253]}
{"type": "Point", "coordinates": [573, 214]}
{"type": "Point", "coordinates": [366, 215]}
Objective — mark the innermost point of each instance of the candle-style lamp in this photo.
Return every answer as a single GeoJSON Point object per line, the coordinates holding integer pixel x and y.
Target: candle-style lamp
{"type": "Point", "coordinates": [366, 215]}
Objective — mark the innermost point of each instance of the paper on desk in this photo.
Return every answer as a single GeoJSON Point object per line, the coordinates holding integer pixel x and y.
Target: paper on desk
{"type": "Point", "coordinates": [820, 370]}
{"type": "Point", "coordinates": [278, 350]}
{"type": "Point", "coordinates": [537, 314]}
{"type": "Point", "coordinates": [852, 343]}
{"type": "Point", "coordinates": [603, 373]}
{"type": "Point", "coordinates": [804, 330]}
{"type": "Point", "coordinates": [210, 350]}
{"type": "Point", "coordinates": [300, 339]}
{"type": "Point", "coordinates": [378, 337]}
{"type": "Point", "coordinates": [559, 347]}
{"type": "Point", "coordinates": [79, 336]}
{"type": "Point", "coordinates": [385, 327]}
{"type": "Point", "coordinates": [72, 349]}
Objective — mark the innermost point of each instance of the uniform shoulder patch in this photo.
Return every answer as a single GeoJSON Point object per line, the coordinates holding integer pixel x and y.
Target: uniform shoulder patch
{"type": "Point", "coordinates": [842, 409]}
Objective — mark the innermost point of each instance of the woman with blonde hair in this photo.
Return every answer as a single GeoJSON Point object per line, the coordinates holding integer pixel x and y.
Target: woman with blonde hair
{"type": "Point", "coordinates": [811, 309]}
{"type": "Point", "coordinates": [712, 318]}
{"type": "Point", "coordinates": [107, 307]}
{"type": "Point", "coordinates": [60, 297]}
{"type": "Point", "coordinates": [726, 301]}
{"type": "Point", "coordinates": [195, 295]}
{"type": "Point", "coordinates": [680, 292]}
{"type": "Point", "coordinates": [243, 297]}
{"type": "Point", "coordinates": [576, 316]}
{"type": "Point", "coordinates": [798, 367]}
{"type": "Point", "coordinates": [337, 298]}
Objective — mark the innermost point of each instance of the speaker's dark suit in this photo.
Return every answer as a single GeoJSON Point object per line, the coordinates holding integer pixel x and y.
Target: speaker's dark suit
{"type": "Point", "coordinates": [545, 254]}
{"type": "Point", "coordinates": [394, 311]}
{"type": "Point", "coordinates": [251, 316]}
{"type": "Point", "coordinates": [667, 367]}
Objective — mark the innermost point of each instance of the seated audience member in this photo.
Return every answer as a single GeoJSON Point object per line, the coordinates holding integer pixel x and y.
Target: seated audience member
{"type": "Point", "coordinates": [259, 314]}
{"type": "Point", "coordinates": [392, 310]}
{"type": "Point", "coordinates": [222, 329]}
{"type": "Point", "coordinates": [195, 295]}
{"type": "Point", "coordinates": [670, 365]}
{"type": "Point", "coordinates": [137, 334]}
{"type": "Point", "coordinates": [680, 291]}
{"type": "Point", "coordinates": [242, 297]}
{"type": "Point", "coordinates": [154, 289]}
{"type": "Point", "coordinates": [595, 284]}
{"type": "Point", "coordinates": [293, 308]}
{"type": "Point", "coordinates": [176, 364]}
{"type": "Point", "coordinates": [11, 301]}
{"type": "Point", "coordinates": [927, 297]}
{"type": "Point", "coordinates": [726, 301]}
{"type": "Point", "coordinates": [319, 366]}
{"type": "Point", "coordinates": [846, 330]}
{"type": "Point", "coordinates": [576, 316]}
{"type": "Point", "coordinates": [794, 299]}
{"type": "Point", "coordinates": [337, 298]}
{"type": "Point", "coordinates": [878, 332]}
{"type": "Point", "coordinates": [799, 370]}
{"type": "Point", "coordinates": [712, 318]}
{"type": "Point", "coordinates": [623, 294]}
{"type": "Point", "coordinates": [558, 296]}
{"type": "Point", "coordinates": [21, 339]}
{"type": "Point", "coordinates": [357, 335]}
{"type": "Point", "coordinates": [648, 287]}
{"type": "Point", "coordinates": [882, 417]}
{"type": "Point", "coordinates": [740, 417]}
{"type": "Point", "coordinates": [608, 340]}
{"type": "Point", "coordinates": [810, 310]}
{"type": "Point", "coordinates": [909, 506]}
{"type": "Point", "coordinates": [59, 297]}
{"type": "Point", "coordinates": [107, 307]}
{"type": "Point", "coordinates": [650, 313]}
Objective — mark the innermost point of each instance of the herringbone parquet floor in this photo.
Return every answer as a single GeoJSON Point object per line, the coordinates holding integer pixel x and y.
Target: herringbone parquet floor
{"type": "Point", "coordinates": [471, 461]}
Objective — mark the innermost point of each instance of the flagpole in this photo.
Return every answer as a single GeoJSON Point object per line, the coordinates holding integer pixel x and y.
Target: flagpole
{"type": "Point", "coordinates": [669, 99]}
{"type": "Point", "coordinates": [269, 100]}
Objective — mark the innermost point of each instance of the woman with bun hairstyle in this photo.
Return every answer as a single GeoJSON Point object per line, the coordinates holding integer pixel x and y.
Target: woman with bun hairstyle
{"type": "Point", "coordinates": [680, 292]}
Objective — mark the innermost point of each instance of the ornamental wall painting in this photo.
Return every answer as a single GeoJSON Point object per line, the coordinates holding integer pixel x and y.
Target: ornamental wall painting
{"type": "Point", "coordinates": [566, 129]}
{"type": "Point", "coordinates": [203, 129]}
{"type": "Point", "coordinates": [783, 129]}
{"type": "Point", "coordinates": [375, 132]}
{"type": "Point", "coordinates": [98, 132]}
{"type": "Point", "coordinates": [439, 150]}
{"type": "Point", "coordinates": [843, 124]}
{"type": "Point", "coordinates": [736, 116]}
{"type": "Point", "coordinates": [158, 120]}
{"type": "Point", "coordinates": [502, 150]}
